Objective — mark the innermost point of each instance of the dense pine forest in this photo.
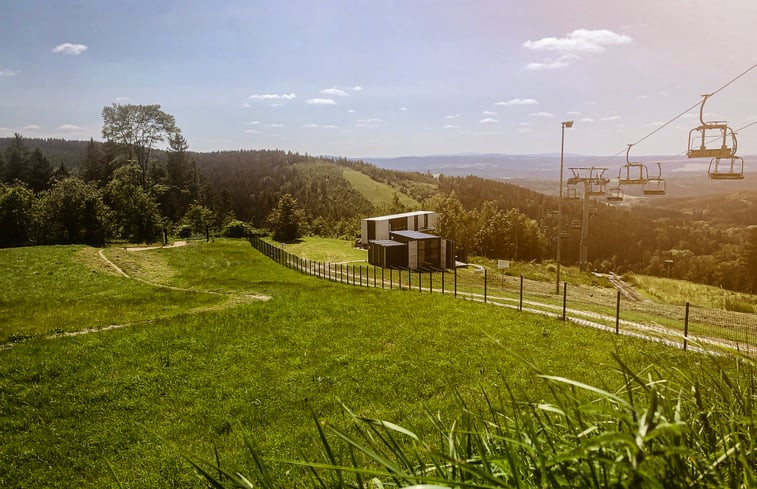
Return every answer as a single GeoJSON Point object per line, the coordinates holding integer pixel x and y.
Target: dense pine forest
{"type": "Point", "coordinates": [55, 191]}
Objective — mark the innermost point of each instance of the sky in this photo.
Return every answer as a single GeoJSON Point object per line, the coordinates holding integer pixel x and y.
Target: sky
{"type": "Point", "coordinates": [384, 78]}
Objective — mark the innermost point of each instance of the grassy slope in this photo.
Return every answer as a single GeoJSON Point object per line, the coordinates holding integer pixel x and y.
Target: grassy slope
{"type": "Point", "coordinates": [68, 405]}
{"type": "Point", "coordinates": [51, 289]}
{"type": "Point", "coordinates": [678, 292]}
{"type": "Point", "coordinates": [379, 194]}
{"type": "Point", "coordinates": [327, 250]}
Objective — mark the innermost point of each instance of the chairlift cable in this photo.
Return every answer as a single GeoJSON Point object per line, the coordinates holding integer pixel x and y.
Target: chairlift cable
{"type": "Point", "coordinates": [685, 112]}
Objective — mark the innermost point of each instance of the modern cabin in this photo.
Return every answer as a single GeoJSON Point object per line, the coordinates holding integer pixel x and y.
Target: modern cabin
{"type": "Point", "coordinates": [399, 241]}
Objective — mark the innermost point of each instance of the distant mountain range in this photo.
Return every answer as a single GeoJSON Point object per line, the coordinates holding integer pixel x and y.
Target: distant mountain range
{"type": "Point", "coordinates": [684, 177]}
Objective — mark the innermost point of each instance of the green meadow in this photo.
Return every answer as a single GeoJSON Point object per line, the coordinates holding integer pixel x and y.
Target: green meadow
{"type": "Point", "coordinates": [203, 362]}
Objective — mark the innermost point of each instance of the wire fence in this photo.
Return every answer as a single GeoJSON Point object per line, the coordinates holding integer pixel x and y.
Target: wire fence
{"type": "Point", "coordinates": [685, 326]}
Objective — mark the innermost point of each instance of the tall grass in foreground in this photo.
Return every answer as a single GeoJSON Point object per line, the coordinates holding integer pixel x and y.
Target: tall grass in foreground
{"type": "Point", "coordinates": [652, 432]}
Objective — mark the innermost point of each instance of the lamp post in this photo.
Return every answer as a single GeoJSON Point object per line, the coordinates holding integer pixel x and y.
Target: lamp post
{"type": "Point", "coordinates": [565, 124]}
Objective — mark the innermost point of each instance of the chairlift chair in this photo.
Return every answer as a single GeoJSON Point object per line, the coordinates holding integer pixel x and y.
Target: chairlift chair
{"type": "Point", "coordinates": [710, 131]}
{"type": "Point", "coordinates": [734, 169]}
{"type": "Point", "coordinates": [571, 193]}
{"type": "Point", "coordinates": [615, 194]}
{"type": "Point", "coordinates": [636, 173]}
{"type": "Point", "coordinates": [655, 185]}
{"type": "Point", "coordinates": [575, 224]}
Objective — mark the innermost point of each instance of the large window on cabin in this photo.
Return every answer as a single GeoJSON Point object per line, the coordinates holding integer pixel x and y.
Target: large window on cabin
{"type": "Point", "coordinates": [398, 224]}
{"type": "Point", "coordinates": [371, 230]}
{"type": "Point", "coordinates": [429, 253]}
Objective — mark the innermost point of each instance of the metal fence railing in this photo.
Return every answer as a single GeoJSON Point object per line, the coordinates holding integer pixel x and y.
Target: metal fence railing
{"type": "Point", "coordinates": [686, 326]}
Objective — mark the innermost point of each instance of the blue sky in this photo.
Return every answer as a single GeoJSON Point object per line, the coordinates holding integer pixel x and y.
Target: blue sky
{"type": "Point", "coordinates": [383, 78]}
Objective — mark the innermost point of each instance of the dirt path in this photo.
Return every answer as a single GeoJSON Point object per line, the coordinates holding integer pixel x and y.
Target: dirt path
{"type": "Point", "coordinates": [175, 244]}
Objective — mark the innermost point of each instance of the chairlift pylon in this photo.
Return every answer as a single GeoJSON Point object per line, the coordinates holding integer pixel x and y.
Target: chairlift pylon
{"type": "Point", "coordinates": [655, 185]}
{"type": "Point", "coordinates": [699, 136]}
{"type": "Point", "coordinates": [636, 173]}
{"type": "Point", "coordinates": [734, 171]}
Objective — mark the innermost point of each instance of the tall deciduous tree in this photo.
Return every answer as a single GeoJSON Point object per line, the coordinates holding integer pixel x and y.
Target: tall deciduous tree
{"type": "Point", "coordinates": [72, 211]}
{"type": "Point", "coordinates": [749, 258]}
{"type": "Point", "coordinates": [285, 219]}
{"type": "Point", "coordinates": [15, 214]}
{"type": "Point", "coordinates": [138, 128]}
{"type": "Point", "coordinates": [136, 213]}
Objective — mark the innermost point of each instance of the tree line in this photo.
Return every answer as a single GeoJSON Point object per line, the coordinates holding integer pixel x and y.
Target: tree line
{"type": "Point", "coordinates": [127, 189]}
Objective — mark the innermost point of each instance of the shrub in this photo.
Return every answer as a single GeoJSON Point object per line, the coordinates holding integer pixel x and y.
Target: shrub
{"type": "Point", "coordinates": [184, 231]}
{"type": "Point", "coordinates": [236, 229]}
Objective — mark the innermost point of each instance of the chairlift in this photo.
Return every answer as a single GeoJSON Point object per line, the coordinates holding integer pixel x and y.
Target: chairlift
{"type": "Point", "coordinates": [596, 188]}
{"type": "Point", "coordinates": [571, 193]}
{"type": "Point", "coordinates": [636, 173]}
{"type": "Point", "coordinates": [593, 211]}
{"type": "Point", "coordinates": [734, 168]}
{"type": "Point", "coordinates": [615, 194]}
{"type": "Point", "coordinates": [575, 224]}
{"type": "Point", "coordinates": [655, 185]}
{"type": "Point", "coordinates": [708, 131]}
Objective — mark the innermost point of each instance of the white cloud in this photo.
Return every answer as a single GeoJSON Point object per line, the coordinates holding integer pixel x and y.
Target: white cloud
{"type": "Point", "coordinates": [253, 123]}
{"type": "Point", "coordinates": [245, 105]}
{"type": "Point", "coordinates": [454, 116]}
{"type": "Point", "coordinates": [580, 40]}
{"type": "Point", "coordinates": [321, 126]}
{"type": "Point", "coordinates": [368, 122]}
{"type": "Point", "coordinates": [321, 101]}
{"type": "Point", "coordinates": [587, 119]}
{"type": "Point", "coordinates": [68, 127]}
{"type": "Point", "coordinates": [553, 63]}
{"type": "Point", "coordinates": [610, 118]}
{"type": "Point", "coordinates": [68, 48]}
{"type": "Point", "coordinates": [488, 120]}
{"type": "Point", "coordinates": [518, 101]}
{"type": "Point", "coordinates": [488, 112]}
{"type": "Point", "coordinates": [335, 91]}
{"type": "Point", "coordinates": [485, 133]}
{"type": "Point", "coordinates": [351, 111]}
{"type": "Point", "coordinates": [525, 124]}
{"type": "Point", "coordinates": [7, 72]}
{"type": "Point", "coordinates": [544, 115]}
{"type": "Point", "coordinates": [357, 88]}
{"type": "Point", "coordinates": [252, 131]}
{"type": "Point", "coordinates": [573, 112]}
{"type": "Point", "coordinates": [272, 96]}
{"type": "Point", "coordinates": [30, 127]}
{"type": "Point", "coordinates": [403, 108]}
{"type": "Point", "coordinates": [121, 99]}
{"type": "Point", "coordinates": [449, 126]}
{"type": "Point", "coordinates": [274, 125]}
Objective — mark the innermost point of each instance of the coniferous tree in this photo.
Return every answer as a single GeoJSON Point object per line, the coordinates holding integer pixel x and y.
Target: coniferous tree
{"type": "Point", "coordinates": [16, 160]}
{"type": "Point", "coordinates": [40, 171]}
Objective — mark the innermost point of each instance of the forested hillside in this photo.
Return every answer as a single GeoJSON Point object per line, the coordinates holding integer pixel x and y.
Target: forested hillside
{"type": "Point", "coordinates": [59, 191]}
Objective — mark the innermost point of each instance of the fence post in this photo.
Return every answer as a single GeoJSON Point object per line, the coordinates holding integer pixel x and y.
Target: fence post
{"type": "Point", "coordinates": [420, 281]}
{"type": "Point", "coordinates": [485, 285]}
{"type": "Point", "coordinates": [409, 280]}
{"type": "Point", "coordinates": [455, 280]}
{"type": "Point", "coordinates": [374, 277]}
{"type": "Point", "coordinates": [564, 298]}
{"type": "Point", "coordinates": [360, 276]}
{"type": "Point", "coordinates": [617, 314]}
{"type": "Point", "coordinates": [686, 328]}
{"type": "Point", "coordinates": [390, 278]}
{"type": "Point", "coordinates": [382, 278]}
{"type": "Point", "coordinates": [399, 279]}
{"type": "Point", "coordinates": [430, 283]}
{"type": "Point", "coordinates": [520, 300]}
{"type": "Point", "coordinates": [442, 281]}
